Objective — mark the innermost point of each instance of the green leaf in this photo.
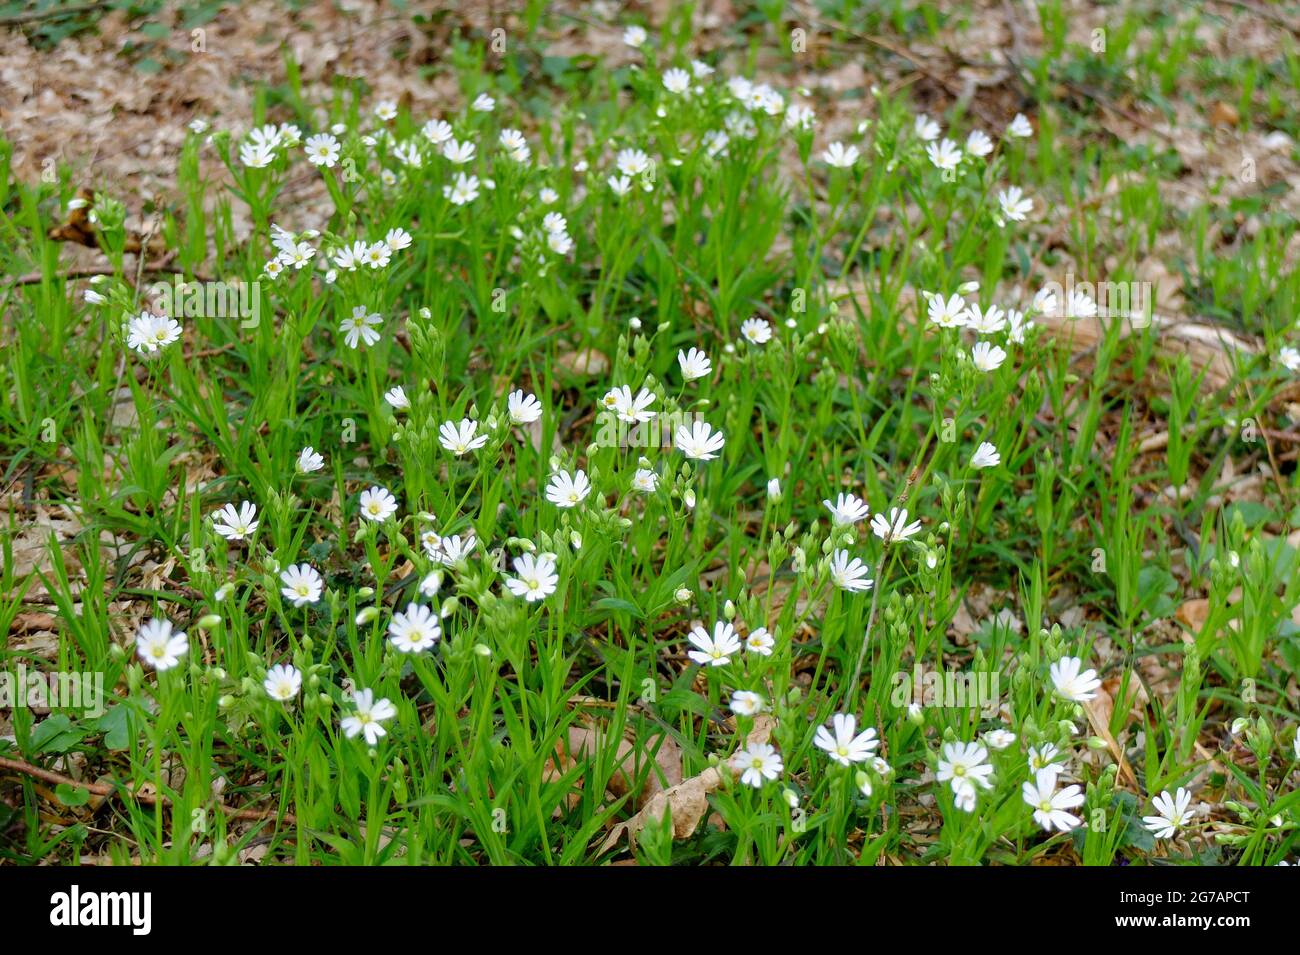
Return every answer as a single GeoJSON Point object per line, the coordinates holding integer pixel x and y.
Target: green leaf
{"type": "Point", "coordinates": [119, 725]}
{"type": "Point", "coordinates": [618, 604]}
{"type": "Point", "coordinates": [56, 734]}
{"type": "Point", "coordinates": [71, 795]}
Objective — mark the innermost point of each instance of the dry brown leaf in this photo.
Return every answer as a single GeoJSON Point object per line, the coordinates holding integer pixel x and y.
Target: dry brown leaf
{"type": "Point", "coordinates": [689, 799]}
{"type": "Point", "coordinates": [1099, 710]}
{"type": "Point", "coordinates": [1193, 614]}
{"type": "Point", "coordinates": [587, 362]}
{"type": "Point", "coordinates": [667, 772]}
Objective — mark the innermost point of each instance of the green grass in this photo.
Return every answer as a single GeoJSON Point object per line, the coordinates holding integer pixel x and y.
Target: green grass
{"type": "Point", "coordinates": [531, 729]}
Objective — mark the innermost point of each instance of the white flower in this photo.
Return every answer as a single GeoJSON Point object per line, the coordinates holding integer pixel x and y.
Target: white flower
{"type": "Point", "coordinates": [322, 150]}
{"type": "Point", "coordinates": [554, 222]}
{"type": "Point", "coordinates": [437, 131]}
{"type": "Point", "coordinates": [895, 527]}
{"type": "Point", "coordinates": [568, 490]}
{"type": "Point", "coordinates": [985, 456]}
{"type": "Point", "coordinates": [700, 69]}
{"type": "Point", "coordinates": [999, 739]}
{"type": "Point", "coordinates": [386, 109]}
{"type": "Point", "coordinates": [947, 313]}
{"type": "Point", "coordinates": [716, 650]}
{"type": "Point", "coordinates": [849, 573]}
{"type": "Point", "coordinates": [1043, 757]}
{"type": "Point", "coordinates": [1173, 814]}
{"type": "Point", "coordinates": [370, 713]}
{"type": "Point", "coordinates": [297, 254]}
{"type": "Point", "coordinates": [645, 480]}
{"type": "Point", "coordinates": [630, 409]}
{"type": "Point", "coordinates": [965, 766]}
{"type": "Point", "coordinates": [1020, 127]}
{"type": "Point", "coordinates": [309, 460]}
{"type": "Point", "coordinates": [634, 36]}
{"type": "Point", "coordinates": [1049, 805]}
{"type": "Point", "coordinates": [944, 155]}
{"type": "Point", "coordinates": [463, 191]}
{"type": "Point", "coordinates": [397, 400]}
{"type": "Point", "coordinates": [377, 504]}
{"type": "Point", "coordinates": [763, 98]}
{"type": "Point", "coordinates": [283, 682]}
{"type": "Point", "coordinates": [1080, 305]}
{"type": "Point", "coordinates": [397, 240]}
{"type": "Point", "coordinates": [461, 438]}
{"type": "Point", "coordinates": [695, 364]}
{"type": "Point", "coordinates": [848, 509]}
{"type": "Point", "coordinates": [715, 143]}
{"type": "Point", "coordinates": [483, 103]}
{"type": "Point", "coordinates": [158, 646]}
{"type": "Point", "coordinates": [349, 256]}
{"type": "Point", "coordinates": [747, 703]}
{"type": "Point", "coordinates": [559, 243]}
{"type": "Point", "coordinates": [377, 255]}
{"type": "Point", "coordinates": [1015, 206]}
{"type": "Point", "coordinates": [415, 630]}
{"type": "Point", "coordinates": [303, 584]}
{"type": "Point", "coordinates": [450, 550]}
{"type": "Point", "coordinates": [430, 585]}
{"type": "Point", "coordinates": [256, 155]}
{"type": "Point", "coordinates": [926, 129]}
{"type": "Point", "coordinates": [843, 746]}
{"type": "Point", "coordinates": [1017, 326]}
{"type": "Point", "coordinates": [978, 144]}
{"type": "Point", "coordinates": [756, 763]}
{"type": "Point", "coordinates": [677, 81]}
{"type": "Point", "coordinates": [760, 641]}
{"type": "Point", "coordinates": [1072, 684]}
{"type": "Point", "coordinates": [756, 331]}
{"type": "Point", "coordinates": [739, 87]}
{"type": "Point", "coordinates": [360, 327]}
{"type": "Point", "coordinates": [147, 333]}
{"type": "Point", "coordinates": [699, 441]}
{"type": "Point", "coordinates": [1044, 302]}
{"type": "Point", "coordinates": [523, 408]}
{"type": "Point", "coordinates": [774, 489]}
{"type": "Point", "coordinates": [515, 145]}
{"type": "Point", "coordinates": [1288, 356]}
{"type": "Point", "coordinates": [235, 525]}
{"type": "Point", "coordinates": [620, 185]}
{"type": "Point", "coordinates": [799, 116]}
{"type": "Point", "coordinates": [631, 162]}
{"type": "Point", "coordinates": [987, 357]}
{"type": "Point", "coordinates": [840, 156]}
{"type": "Point", "coordinates": [535, 577]}
{"type": "Point", "coordinates": [985, 321]}
{"type": "Point", "coordinates": [548, 196]}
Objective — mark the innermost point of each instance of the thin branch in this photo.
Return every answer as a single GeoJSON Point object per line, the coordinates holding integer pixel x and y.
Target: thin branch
{"type": "Point", "coordinates": [107, 789]}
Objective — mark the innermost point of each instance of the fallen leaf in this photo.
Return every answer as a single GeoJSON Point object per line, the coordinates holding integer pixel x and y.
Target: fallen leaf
{"type": "Point", "coordinates": [587, 740]}
{"type": "Point", "coordinates": [588, 362]}
{"type": "Point", "coordinates": [689, 799]}
{"type": "Point", "coordinates": [1099, 710]}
